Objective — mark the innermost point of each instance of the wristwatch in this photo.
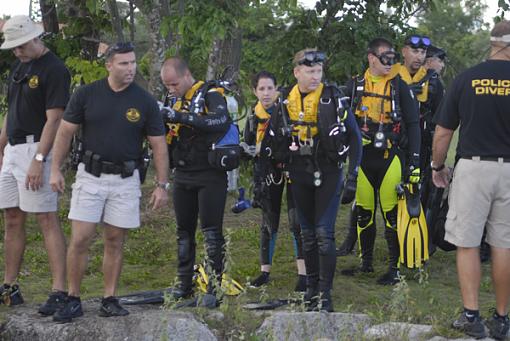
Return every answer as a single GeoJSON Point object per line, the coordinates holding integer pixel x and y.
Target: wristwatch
{"type": "Point", "coordinates": [163, 185]}
{"type": "Point", "coordinates": [438, 168]}
{"type": "Point", "coordinates": [40, 157]}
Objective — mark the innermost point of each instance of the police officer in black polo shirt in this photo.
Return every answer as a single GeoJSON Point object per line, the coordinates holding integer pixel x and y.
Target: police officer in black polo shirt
{"type": "Point", "coordinates": [38, 92]}
{"type": "Point", "coordinates": [196, 120]}
{"type": "Point", "coordinates": [115, 115]}
{"type": "Point", "coordinates": [479, 101]}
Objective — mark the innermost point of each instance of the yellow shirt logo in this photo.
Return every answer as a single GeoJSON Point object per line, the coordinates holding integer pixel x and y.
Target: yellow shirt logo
{"type": "Point", "coordinates": [33, 82]}
{"type": "Point", "coordinates": [133, 115]}
{"type": "Point", "coordinates": [496, 87]}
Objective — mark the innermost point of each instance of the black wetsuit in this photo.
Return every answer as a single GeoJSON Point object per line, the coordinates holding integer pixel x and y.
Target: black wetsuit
{"type": "Point", "coordinates": [200, 190]}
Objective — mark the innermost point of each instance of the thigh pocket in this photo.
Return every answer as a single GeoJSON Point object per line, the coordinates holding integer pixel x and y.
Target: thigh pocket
{"type": "Point", "coordinates": [85, 196]}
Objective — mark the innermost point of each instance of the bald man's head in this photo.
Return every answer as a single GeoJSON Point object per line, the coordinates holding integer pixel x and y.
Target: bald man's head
{"type": "Point", "coordinates": [176, 76]}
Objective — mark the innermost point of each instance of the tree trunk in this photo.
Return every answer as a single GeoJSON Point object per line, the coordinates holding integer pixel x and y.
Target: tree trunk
{"type": "Point", "coordinates": [89, 36]}
{"type": "Point", "coordinates": [152, 11]}
{"type": "Point", "coordinates": [225, 57]}
{"type": "Point", "coordinates": [213, 62]}
{"type": "Point", "coordinates": [49, 16]}
{"type": "Point", "coordinates": [116, 20]}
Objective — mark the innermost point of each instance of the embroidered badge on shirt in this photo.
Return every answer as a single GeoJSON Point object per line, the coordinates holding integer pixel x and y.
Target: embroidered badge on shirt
{"type": "Point", "coordinates": [33, 82]}
{"type": "Point", "coordinates": [133, 115]}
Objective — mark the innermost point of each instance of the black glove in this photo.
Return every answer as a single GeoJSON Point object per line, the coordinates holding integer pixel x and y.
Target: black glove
{"type": "Point", "coordinates": [351, 182]}
{"type": "Point", "coordinates": [170, 115]}
{"type": "Point", "coordinates": [412, 173]}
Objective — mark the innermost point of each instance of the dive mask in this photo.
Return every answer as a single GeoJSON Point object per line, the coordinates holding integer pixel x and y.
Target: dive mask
{"type": "Point", "coordinates": [312, 58]}
{"type": "Point", "coordinates": [388, 58]}
{"type": "Point", "coordinates": [417, 41]}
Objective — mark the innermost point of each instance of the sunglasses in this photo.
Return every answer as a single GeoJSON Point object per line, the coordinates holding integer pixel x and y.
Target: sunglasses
{"type": "Point", "coordinates": [388, 58]}
{"type": "Point", "coordinates": [416, 41]}
{"type": "Point", "coordinates": [121, 47]}
{"type": "Point", "coordinates": [17, 78]}
{"type": "Point", "coordinates": [312, 58]}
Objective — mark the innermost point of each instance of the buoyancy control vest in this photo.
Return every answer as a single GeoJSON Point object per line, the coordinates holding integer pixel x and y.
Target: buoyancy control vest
{"type": "Point", "coordinates": [261, 118]}
{"type": "Point", "coordinates": [189, 147]}
{"type": "Point", "coordinates": [376, 102]}
{"type": "Point", "coordinates": [310, 126]}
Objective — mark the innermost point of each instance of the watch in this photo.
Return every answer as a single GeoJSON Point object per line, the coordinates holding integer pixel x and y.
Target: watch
{"type": "Point", "coordinates": [40, 157]}
{"type": "Point", "coordinates": [437, 169]}
{"type": "Point", "coordinates": [163, 185]}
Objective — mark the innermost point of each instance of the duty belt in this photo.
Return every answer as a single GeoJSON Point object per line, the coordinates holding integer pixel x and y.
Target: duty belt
{"type": "Point", "coordinates": [95, 166]}
{"type": "Point", "coordinates": [21, 140]}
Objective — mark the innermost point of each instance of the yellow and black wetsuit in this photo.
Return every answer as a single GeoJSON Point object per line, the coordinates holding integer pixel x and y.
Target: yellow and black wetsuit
{"type": "Point", "coordinates": [315, 159]}
{"type": "Point", "coordinates": [382, 165]}
{"type": "Point", "coordinates": [269, 183]}
{"type": "Point", "coordinates": [199, 189]}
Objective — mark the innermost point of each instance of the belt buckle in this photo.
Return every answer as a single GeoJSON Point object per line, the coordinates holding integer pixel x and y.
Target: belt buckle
{"type": "Point", "coordinates": [29, 138]}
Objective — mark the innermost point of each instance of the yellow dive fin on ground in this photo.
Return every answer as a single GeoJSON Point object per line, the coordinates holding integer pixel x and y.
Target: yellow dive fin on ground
{"type": "Point", "coordinates": [230, 286]}
{"type": "Point", "coordinates": [412, 230]}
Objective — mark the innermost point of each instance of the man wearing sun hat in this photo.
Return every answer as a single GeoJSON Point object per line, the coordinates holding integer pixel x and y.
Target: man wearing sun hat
{"type": "Point", "coordinates": [38, 91]}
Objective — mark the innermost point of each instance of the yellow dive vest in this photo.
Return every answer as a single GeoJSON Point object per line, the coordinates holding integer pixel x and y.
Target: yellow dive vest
{"type": "Point", "coordinates": [418, 76]}
{"type": "Point", "coordinates": [183, 105]}
{"type": "Point", "coordinates": [376, 108]}
{"type": "Point", "coordinates": [262, 122]}
{"type": "Point", "coordinates": [303, 112]}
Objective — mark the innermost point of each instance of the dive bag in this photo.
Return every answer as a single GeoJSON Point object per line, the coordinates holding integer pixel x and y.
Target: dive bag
{"type": "Point", "coordinates": [225, 153]}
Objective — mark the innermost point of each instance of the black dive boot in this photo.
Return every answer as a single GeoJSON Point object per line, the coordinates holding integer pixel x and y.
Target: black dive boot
{"type": "Point", "coordinates": [367, 240]}
{"type": "Point", "coordinates": [185, 267]}
{"type": "Point", "coordinates": [327, 261]}
{"type": "Point", "coordinates": [391, 277]}
{"type": "Point", "coordinates": [311, 255]}
{"type": "Point", "coordinates": [311, 298]}
{"type": "Point", "coordinates": [326, 302]}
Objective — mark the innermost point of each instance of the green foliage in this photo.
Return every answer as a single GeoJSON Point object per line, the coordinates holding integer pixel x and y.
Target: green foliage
{"type": "Point", "coordinates": [85, 71]}
{"type": "Point", "coordinates": [458, 27]}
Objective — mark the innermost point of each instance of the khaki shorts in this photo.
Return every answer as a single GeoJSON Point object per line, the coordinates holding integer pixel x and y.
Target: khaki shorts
{"type": "Point", "coordinates": [109, 199]}
{"type": "Point", "coordinates": [13, 174]}
{"type": "Point", "coordinates": [479, 197]}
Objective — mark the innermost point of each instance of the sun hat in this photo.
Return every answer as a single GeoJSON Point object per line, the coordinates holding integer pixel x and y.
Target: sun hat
{"type": "Point", "coordinates": [18, 30]}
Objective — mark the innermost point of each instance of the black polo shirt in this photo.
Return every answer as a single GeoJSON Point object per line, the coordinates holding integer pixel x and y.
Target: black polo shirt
{"type": "Point", "coordinates": [114, 124]}
{"type": "Point", "coordinates": [35, 87]}
{"type": "Point", "coordinates": [479, 100]}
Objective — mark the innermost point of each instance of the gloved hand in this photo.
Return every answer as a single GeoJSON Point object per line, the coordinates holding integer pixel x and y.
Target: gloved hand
{"type": "Point", "coordinates": [170, 115]}
{"type": "Point", "coordinates": [349, 193]}
{"type": "Point", "coordinates": [413, 175]}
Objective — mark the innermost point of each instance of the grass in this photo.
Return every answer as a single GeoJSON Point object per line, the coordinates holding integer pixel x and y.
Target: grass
{"type": "Point", "coordinates": [150, 260]}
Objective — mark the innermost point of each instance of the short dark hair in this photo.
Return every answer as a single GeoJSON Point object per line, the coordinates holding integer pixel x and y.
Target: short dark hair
{"type": "Point", "coordinates": [118, 48]}
{"type": "Point", "coordinates": [262, 74]}
{"type": "Point", "coordinates": [178, 64]}
{"type": "Point", "coordinates": [376, 43]}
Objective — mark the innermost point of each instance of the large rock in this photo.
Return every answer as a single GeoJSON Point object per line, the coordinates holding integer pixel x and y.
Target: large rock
{"type": "Point", "coordinates": [399, 330]}
{"type": "Point", "coordinates": [313, 326]}
{"type": "Point", "coordinates": [145, 323]}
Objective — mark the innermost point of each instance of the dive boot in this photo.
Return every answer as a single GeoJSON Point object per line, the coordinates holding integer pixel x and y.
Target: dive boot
{"type": "Point", "coordinates": [363, 268]}
{"type": "Point", "coordinates": [181, 292]}
{"type": "Point", "coordinates": [326, 302]}
{"type": "Point", "coordinates": [300, 284]}
{"type": "Point", "coordinates": [311, 299]}
{"type": "Point", "coordinates": [391, 277]}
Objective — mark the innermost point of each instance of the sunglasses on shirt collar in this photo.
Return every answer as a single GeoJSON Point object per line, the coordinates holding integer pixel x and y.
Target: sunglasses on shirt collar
{"type": "Point", "coordinates": [17, 78]}
{"type": "Point", "coordinates": [417, 41]}
{"type": "Point", "coordinates": [312, 58]}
